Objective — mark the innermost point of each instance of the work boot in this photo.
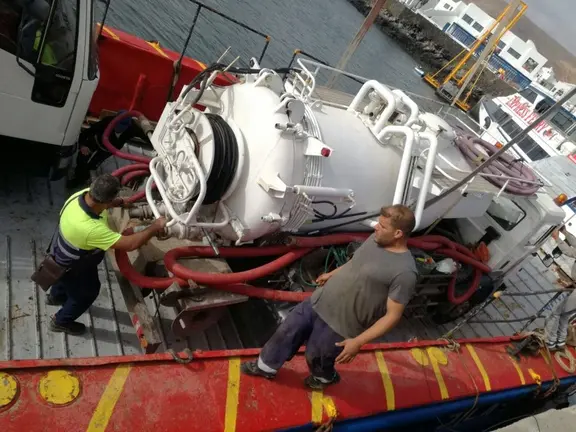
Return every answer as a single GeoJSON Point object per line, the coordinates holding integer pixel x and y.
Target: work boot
{"type": "Point", "coordinates": [556, 346]}
{"type": "Point", "coordinates": [73, 328]}
{"type": "Point", "coordinates": [251, 368]}
{"type": "Point", "coordinates": [53, 301]}
{"type": "Point", "coordinates": [316, 383]}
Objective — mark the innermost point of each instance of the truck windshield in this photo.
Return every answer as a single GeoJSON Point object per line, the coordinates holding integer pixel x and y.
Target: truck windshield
{"type": "Point", "coordinates": [59, 47]}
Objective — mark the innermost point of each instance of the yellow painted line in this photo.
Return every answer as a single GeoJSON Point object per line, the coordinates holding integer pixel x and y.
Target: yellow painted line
{"type": "Point", "coordinates": [520, 373]}
{"type": "Point", "coordinates": [433, 356]}
{"type": "Point", "coordinates": [321, 403]}
{"type": "Point", "coordinates": [386, 381]}
{"type": "Point", "coordinates": [439, 378]}
{"type": "Point", "coordinates": [232, 394]}
{"type": "Point", "coordinates": [107, 402]}
{"type": "Point", "coordinates": [157, 48]}
{"type": "Point", "coordinates": [480, 367]}
{"type": "Point", "coordinates": [110, 32]}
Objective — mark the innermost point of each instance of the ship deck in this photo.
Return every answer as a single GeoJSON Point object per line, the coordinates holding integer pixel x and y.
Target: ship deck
{"type": "Point", "coordinates": [27, 220]}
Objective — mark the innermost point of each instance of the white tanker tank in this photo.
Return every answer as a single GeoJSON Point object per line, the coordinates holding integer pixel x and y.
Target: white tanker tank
{"type": "Point", "coordinates": [260, 159]}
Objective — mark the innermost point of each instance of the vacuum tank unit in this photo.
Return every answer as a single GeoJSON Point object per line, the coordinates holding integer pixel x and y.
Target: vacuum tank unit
{"type": "Point", "coordinates": [251, 159]}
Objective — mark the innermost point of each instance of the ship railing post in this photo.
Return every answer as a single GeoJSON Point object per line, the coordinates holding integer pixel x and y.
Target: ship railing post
{"type": "Point", "coordinates": [178, 63]}
{"type": "Point", "coordinates": [104, 19]}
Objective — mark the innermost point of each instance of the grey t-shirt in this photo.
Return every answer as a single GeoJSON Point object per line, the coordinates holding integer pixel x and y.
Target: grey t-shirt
{"type": "Point", "coordinates": [355, 297]}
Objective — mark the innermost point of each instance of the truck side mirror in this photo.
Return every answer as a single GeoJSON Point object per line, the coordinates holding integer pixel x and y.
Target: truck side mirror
{"type": "Point", "coordinates": [25, 45]}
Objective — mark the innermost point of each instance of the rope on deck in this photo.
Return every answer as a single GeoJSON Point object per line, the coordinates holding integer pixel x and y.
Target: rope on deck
{"type": "Point", "coordinates": [468, 318]}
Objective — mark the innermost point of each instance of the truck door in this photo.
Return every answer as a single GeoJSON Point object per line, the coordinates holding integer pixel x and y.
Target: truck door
{"type": "Point", "coordinates": [40, 68]}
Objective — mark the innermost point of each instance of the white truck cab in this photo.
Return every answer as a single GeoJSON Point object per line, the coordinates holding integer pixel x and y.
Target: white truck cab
{"type": "Point", "coordinates": [49, 72]}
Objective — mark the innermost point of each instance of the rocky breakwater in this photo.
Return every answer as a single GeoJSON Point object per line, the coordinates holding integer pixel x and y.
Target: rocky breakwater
{"type": "Point", "coordinates": [427, 44]}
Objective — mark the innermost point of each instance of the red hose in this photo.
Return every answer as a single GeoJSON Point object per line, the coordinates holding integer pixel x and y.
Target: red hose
{"type": "Point", "coordinates": [132, 175]}
{"type": "Point", "coordinates": [114, 150]}
{"type": "Point", "coordinates": [129, 172]}
{"type": "Point", "coordinates": [299, 246]}
{"type": "Point", "coordinates": [130, 273]}
{"type": "Point", "coordinates": [231, 278]}
{"type": "Point", "coordinates": [137, 278]}
{"type": "Point", "coordinates": [129, 168]}
{"type": "Point", "coordinates": [136, 197]}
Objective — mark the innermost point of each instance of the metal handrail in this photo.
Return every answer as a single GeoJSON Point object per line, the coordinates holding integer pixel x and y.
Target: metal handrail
{"type": "Point", "coordinates": [297, 52]}
{"type": "Point", "coordinates": [200, 6]}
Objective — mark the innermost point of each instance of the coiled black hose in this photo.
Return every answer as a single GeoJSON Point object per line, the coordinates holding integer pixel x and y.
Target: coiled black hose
{"type": "Point", "coordinates": [225, 159]}
{"type": "Point", "coordinates": [506, 165]}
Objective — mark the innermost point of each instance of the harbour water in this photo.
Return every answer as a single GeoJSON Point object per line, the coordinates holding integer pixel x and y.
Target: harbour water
{"type": "Point", "coordinates": [322, 28]}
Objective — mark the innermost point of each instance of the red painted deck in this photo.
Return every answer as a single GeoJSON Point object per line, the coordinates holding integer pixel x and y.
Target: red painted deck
{"type": "Point", "coordinates": [136, 74]}
{"type": "Point", "coordinates": [154, 393]}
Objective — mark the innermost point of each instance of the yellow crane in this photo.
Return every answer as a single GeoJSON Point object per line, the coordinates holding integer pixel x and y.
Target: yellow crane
{"type": "Point", "coordinates": [448, 87]}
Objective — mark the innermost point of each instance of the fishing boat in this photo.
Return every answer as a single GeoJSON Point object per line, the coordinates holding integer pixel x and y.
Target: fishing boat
{"type": "Point", "coordinates": [287, 182]}
{"type": "Point", "coordinates": [502, 117]}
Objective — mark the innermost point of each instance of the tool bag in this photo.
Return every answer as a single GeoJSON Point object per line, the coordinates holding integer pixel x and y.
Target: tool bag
{"type": "Point", "coordinates": [49, 271]}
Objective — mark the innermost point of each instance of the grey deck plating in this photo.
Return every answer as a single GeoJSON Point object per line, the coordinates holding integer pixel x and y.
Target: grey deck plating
{"type": "Point", "coordinates": [28, 215]}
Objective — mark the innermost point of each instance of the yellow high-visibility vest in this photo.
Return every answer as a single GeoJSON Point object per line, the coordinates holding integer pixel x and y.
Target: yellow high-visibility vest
{"type": "Point", "coordinates": [48, 57]}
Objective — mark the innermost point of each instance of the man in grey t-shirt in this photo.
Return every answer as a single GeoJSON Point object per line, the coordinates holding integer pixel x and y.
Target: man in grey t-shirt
{"type": "Point", "coordinates": [356, 303]}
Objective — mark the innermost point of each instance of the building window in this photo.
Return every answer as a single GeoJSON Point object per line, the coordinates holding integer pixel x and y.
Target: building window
{"type": "Point", "coordinates": [447, 6]}
{"type": "Point", "coordinates": [467, 19]}
{"type": "Point", "coordinates": [530, 65]}
{"type": "Point", "coordinates": [529, 95]}
{"type": "Point", "coordinates": [513, 53]}
{"type": "Point", "coordinates": [563, 120]}
{"type": "Point", "coordinates": [477, 27]}
{"type": "Point", "coordinates": [501, 45]}
{"type": "Point", "coordinates": [532, 149]}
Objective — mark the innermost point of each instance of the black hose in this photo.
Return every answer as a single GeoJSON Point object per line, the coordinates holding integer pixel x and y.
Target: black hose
{"type": "Point", "coordinates": [203, 77]}
{"type": "Point", "coordinates": [320, 217]}
{"type": "Point", "coordinates": [225, 161]}
{"type": "Point", "coordinates": [353, 221]}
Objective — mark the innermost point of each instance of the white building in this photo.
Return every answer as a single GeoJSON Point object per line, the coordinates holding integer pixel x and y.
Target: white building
{"type": "Point", "coordinates": [546, 76]}
{"type": "Point", "coordinates": [467, 22]}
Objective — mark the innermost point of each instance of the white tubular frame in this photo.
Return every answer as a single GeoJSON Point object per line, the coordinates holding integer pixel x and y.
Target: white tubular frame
{"type": "Point", "coordinates": [198, 171]}
{"type": "Point", "coordinates": [406, 156]}
{"type": "Point", "coordinates": [428, 171]}
{"type": "Point", "coordinates": [382, 91]}
{"type": "Point", "coordinates": [414, 110]}
{"type": "Point", "coordinates": [150, 199]}
{"type": "Point", "coordinates": [304, 87]}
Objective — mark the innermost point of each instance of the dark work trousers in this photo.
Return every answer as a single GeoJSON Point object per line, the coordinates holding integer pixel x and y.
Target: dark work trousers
{"type": "Point", "coordinates": [77, 289]}
{"type": "Point", "coordinates": [303, 325]}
